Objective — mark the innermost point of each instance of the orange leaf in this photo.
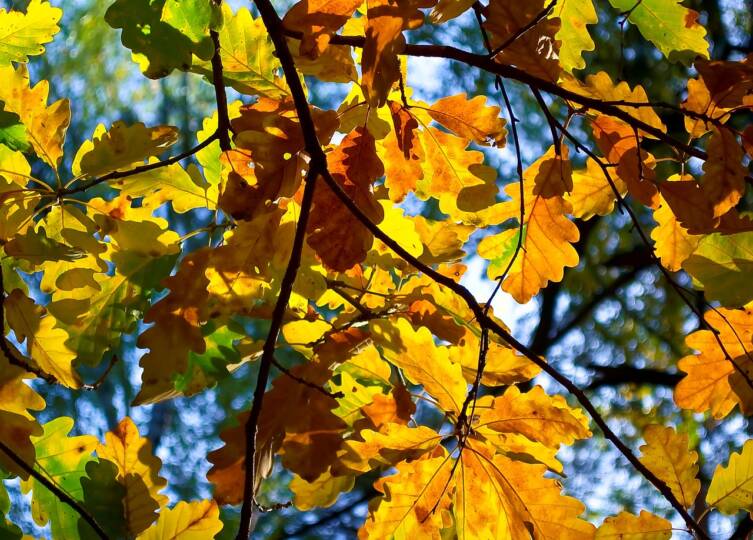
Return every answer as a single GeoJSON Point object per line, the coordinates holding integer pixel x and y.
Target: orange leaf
{"type": "Point", "coordinates": [706, 385]}
{"type": "Point", "coordinates": [470, 119]}
{"type": "Point", "coordinates": [318, 20]}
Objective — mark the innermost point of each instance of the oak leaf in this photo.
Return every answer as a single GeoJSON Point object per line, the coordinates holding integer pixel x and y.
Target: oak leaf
{"type": "Point", "coordinates": [24, 34]}
{"type": "Point", "coordinates": [731, 488]}
{"type": "Point", "coordinates": [666, 454]}
{"type": "Point", "coordinates": [645, 526]}
{"type": "Point", "coordinates": [548, 234]}
{"type": "Point", "coordinates": [137, 471]}
{"type": "Point", "coordinates": [336, 235]}
{"type": "Point", "coordinates": [194, 520]}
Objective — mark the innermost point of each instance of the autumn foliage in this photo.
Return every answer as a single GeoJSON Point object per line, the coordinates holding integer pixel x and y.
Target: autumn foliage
{"type": "Point", "coordinates": [315, 250]}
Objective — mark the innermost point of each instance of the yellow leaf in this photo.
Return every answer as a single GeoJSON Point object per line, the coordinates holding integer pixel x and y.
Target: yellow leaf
{"type": "Point", "coordinates": [626, 526]}
{"type": "Point", "coordinates": [520, 502]}
{"type": "Point", "coordinates": [600, 86]}
{"type": "Point", "coordinates": [396, 225]}
{"type": "Point", "coordinates": [45, 342]}
{"type": "Point", "coordinates": [465, 188]}
{"type": "Point", "coordinates": [138, 472]}
{"type": "Point", "coordinates": [666, 454]}
{"type": "Point", "coordinates": [45, 125]}
{"type": "Point", "coordinates": [321, 493]}
{"type": "Point", "coordinates": [197, 520]}
{"type": "Point", "coordinates": [538, 416]}
{"type": "Point", "coordinates": [591, 194]}
{"type": "Point", "coordinates": [414, 501]}
{"type": "Point", "coordinates": [548, 234]}
{"type": "Point", "coordinates": [731, 488]}
{"type": "Point", "coordinates": [700, 101]}
{"type": "Point", "coordinates": [424, 363]}
{"type": "Point", "coordinates": [391, 444]}
{"type": "Point", "coordinates": [443, 240]}
{"type": "Point", "coordinates": [503, 366]}
{"type": "Point", "coordinates": [124, 147]}
{"type": "Point", "coordinates": [672, 242]}
{"type": "Point", "coordinates": [248, 61]}
{"type": "Point", "coordinates": [17, 425]}
{"type": "Point", "coordinates": [22, 35]}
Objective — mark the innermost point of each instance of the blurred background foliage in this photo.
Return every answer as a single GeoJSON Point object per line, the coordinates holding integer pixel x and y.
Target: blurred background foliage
{"type": "Point", "coordinates": [613, 325]}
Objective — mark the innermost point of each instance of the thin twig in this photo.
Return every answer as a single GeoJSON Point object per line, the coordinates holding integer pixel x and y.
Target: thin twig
{"type": "Point", "coordinates": [137, 170]}
{"type": "Point", "coordinates": [223, 118]}
{"type": "Point", "coordinates": [611, 108]}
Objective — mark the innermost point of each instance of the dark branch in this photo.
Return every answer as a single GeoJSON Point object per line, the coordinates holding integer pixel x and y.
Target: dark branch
{"type": "Point", "coordinates": [223, 118]}
{"type": "Point", "coordinates": [619, 375]}
{"type": "Point", "coordinates": [318, 161]}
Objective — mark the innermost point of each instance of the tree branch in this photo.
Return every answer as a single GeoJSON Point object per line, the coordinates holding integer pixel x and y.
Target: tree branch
{"type": "Point", "coordinates": [277, 32]}
{"type": "Point", "coordinates": [318, 161]}
{"type": "Point", "coordinates": [223, 118]}
{"type": "Point", "coordinates": [611, 108]}
{"type": "Point", "coordinates": [625, 374]}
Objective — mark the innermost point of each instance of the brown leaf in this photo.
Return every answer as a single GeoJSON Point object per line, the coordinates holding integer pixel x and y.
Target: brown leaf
{"type": "Point", "coordinates": [338, 238]}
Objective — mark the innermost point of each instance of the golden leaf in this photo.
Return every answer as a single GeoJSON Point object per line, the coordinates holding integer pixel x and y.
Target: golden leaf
{"type": "Point", "coordinates": [548, 234]}
{"type": "Point", "coordinates": [666, 455]}
{"type": "Point", "coordinates": [626, 526]}
{"type": "Point", "coordinates": [197, 520]}
{"type": "Point", "coordinates": [45, 126]}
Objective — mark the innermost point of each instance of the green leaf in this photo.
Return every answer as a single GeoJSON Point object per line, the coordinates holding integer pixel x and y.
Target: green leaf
{"type": "Point", "coordinates": [249, 63]}
{"type": "Point", "coordinates": [157, 46]}
{"type": "Point", "coordinates": [193, 18]}
{"type": "Point", "coordinates": [668, 25]}
{"type": "Point", "coordinates": [63, 460]}
{"type": "Point", "coordinates": [12, 131]}
{"type": "Point", "coordinates": [103, 497]}
{"type": "Point", "coordinates": [574, 17]}
{"type": "Point", "coordinates": [22, 35]}
{"type": "Point", "coordinates": [723, 264]}
{"type": "Point", "coordinates": [206, 369]}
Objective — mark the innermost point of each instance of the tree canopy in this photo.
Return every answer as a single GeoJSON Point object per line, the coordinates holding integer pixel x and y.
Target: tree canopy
{"type": "Point", "coordinates": [242, 247]}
